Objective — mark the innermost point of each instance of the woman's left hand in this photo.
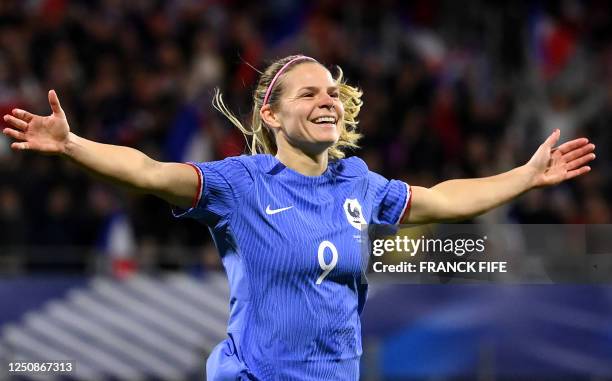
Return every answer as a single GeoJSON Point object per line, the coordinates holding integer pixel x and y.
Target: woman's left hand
{"type": "Point", "coordinates": [550, 166]}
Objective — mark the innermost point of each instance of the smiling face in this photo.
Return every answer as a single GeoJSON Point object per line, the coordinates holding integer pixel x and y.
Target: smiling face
{"type": "Point", "coordinates": [309, 113]}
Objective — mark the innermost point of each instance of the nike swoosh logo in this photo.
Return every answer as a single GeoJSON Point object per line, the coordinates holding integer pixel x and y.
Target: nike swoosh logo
{"type": "Point", "coordinates": [274, 211]}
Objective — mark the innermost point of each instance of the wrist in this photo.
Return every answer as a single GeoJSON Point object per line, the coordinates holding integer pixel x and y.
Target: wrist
{"type": "Point", "coordinates": [529, 173]}
{"type": "Point", "coordinates": [70, 145]}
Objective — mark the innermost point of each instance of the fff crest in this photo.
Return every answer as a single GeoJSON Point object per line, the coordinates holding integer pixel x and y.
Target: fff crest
{"type": "Point", "coordinates": [353, 212]}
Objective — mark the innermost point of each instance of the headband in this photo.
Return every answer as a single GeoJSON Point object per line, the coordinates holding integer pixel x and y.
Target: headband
{"type": "Point", "coordinates": [278, 74]}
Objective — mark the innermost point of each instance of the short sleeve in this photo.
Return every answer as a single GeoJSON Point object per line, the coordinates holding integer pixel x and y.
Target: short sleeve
{"type": "Point", "coordinates": [222, 184]}
{"type": "Point", "coordinates": [391, 199]}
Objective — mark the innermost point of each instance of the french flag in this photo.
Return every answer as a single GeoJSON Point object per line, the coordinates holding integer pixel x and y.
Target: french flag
{"type": "Point", "coordinates": [118, 242]}
{"type": "Point", "coordinates": [552, 42]}
{"type": "Point", "coordinates": [187, 139]}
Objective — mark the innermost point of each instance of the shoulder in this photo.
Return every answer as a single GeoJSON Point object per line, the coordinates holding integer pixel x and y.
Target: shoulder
{"type": "Point", "coordinates": [243, 163]}
{"type": "Point", "coordinates": [254, 163]}
{"type": "Point", "coordinates": [352, 167]}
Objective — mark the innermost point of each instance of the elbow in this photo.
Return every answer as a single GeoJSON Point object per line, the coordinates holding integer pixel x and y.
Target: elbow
{"type": "Point", "coordinates": [149, 180]}
{"type": "Point", "coordinates": [448, 211]}
{"type": "Point", "coordinates": [455, 212]}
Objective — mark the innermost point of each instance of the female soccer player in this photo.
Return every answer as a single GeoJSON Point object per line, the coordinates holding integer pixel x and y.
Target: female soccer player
{"type": "Point", "coordinates": [286, 219]}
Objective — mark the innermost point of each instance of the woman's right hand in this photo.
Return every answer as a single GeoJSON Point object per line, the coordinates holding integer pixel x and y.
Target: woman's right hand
{"type": "Point", "coordinates": [46, 134]}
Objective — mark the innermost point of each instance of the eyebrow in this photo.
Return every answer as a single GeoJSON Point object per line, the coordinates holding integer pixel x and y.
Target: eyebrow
{"type": "Point", "coordinates": [314, 88]}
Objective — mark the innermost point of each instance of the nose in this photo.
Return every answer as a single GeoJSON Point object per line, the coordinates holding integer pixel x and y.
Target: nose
{"type": "Point", "coordinates": [326, 101]}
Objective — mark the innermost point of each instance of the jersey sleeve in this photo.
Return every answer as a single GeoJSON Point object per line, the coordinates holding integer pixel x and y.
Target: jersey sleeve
{"type": "Point", "coordinates": [391, 199]}
{"type": "Point", "coordinates": [222, 184]}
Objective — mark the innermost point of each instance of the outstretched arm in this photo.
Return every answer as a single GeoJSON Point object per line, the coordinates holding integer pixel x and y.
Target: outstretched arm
{"type": "Point", "coordinates": [465, 198]}
{"type": "Point", "coordinates": [174, 182]}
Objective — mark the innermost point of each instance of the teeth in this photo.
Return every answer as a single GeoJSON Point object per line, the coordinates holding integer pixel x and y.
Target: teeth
{"type": "Point", "coordinates": [325, 119]}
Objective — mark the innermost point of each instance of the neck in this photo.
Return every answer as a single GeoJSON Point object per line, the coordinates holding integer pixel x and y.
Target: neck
{"type": "Point", "coordinates": [303, 163]}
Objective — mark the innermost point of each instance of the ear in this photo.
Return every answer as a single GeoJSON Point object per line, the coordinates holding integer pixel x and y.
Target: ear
{"type": "Point", "coordinates": [269, 117]}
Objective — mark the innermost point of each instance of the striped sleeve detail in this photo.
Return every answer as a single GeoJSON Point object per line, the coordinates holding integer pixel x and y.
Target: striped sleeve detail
{"type": "Point", "coordinates": [198, 195]}
{"type": "Point", "coordinates": [407, 203]}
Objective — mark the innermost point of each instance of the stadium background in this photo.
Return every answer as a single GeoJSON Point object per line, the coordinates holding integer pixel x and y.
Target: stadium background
{"type": "Point", "coordinates": [451, 89]}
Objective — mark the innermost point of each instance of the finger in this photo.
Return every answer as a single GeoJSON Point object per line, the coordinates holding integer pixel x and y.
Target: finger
{"type": "Point", "coordinates": [576, 153]}
{"type": "Point", "coordinates": [553, 138]}
{"type": "Point", "coordinates": [577, 172]}
{"type": "Point", "coordinates": [580, 161]}
{"type": "Point", "coordinates": [572, 145]}
{"type": "Point", "coordinates": [14, 134]}
{"type": "Point", "coordinates": [55, 104]}
{"type": "Point", "coordinates": [20, 146]}
{"type": "Point", "coordinates": [14, 122]}
{"type": "Point", "coordinates": [23, 114]}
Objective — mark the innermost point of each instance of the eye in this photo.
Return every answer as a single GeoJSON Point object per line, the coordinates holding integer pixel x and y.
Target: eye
{"type": "Point", "coordinates": [307, 95]}
{"type": "Point", "coordinates": [335, 94]}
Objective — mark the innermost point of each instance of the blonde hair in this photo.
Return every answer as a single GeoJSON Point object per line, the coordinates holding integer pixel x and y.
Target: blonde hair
{"type": "Point", "coordinates": [260, 138]}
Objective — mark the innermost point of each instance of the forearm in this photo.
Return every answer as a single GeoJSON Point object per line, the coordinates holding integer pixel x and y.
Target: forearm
{"type": "Point", "coordinates": [119, 165]}
{"type": "Point", "coordinates": [466, 198]}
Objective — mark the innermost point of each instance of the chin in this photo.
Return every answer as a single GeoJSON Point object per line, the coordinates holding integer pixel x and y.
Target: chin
{"type": "Point", "coordinates": [331, 137]}
{"type": "Point", "coordinates": [321, 145]}
{"type": "Point", "coordinates": [328, 142]}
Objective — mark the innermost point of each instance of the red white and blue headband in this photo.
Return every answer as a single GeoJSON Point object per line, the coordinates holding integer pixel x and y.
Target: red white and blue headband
{"type": "Point", "coordinates": [278, 74]}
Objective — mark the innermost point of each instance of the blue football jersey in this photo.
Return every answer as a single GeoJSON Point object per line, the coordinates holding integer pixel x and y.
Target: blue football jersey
{"type": "Point", "coordinates": [290, 245]}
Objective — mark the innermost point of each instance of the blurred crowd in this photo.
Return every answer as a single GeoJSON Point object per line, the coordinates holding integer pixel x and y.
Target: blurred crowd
{"type": "Point", "coordinates": [451, 89]}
